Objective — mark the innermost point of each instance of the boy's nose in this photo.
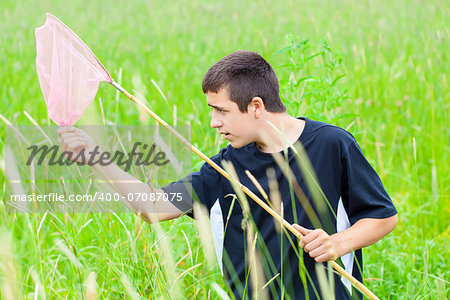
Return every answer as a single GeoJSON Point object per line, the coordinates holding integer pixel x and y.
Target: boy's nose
{"type": "Point", "coordinates": [215, 123]}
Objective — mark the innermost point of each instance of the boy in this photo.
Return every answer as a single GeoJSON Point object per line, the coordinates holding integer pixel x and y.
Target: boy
{"type": "Point", "coordinates": [242, 90]}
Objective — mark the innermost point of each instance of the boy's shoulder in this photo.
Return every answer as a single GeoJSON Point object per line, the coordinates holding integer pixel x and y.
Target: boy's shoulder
{"type": "Point", "coordinates": [317, 133]}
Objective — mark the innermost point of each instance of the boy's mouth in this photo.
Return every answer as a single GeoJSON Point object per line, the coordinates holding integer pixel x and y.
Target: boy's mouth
{"type": "Point", "coordinates": [226, 135]}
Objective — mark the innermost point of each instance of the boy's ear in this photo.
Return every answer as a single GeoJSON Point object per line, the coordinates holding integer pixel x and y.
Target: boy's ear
{"type": "Point", "coordinates": [256, 106]}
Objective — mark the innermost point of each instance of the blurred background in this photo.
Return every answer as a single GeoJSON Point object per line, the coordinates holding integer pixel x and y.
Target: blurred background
{"type": "Point", "coordinates": [376, 68]}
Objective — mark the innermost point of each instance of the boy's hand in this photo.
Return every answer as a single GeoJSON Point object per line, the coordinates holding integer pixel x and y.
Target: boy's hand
{"type": "Point", "coordinates": [75, 140]}
{"type": "Point", "coordinates": [319, 244]}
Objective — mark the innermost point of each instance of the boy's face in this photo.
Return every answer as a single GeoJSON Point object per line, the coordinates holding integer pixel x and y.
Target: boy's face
{"type": "Point", "coordinates": [237, 127]}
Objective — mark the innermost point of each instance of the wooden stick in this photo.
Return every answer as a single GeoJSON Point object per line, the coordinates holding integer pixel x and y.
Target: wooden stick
{"type": "Point", "coordinates": [246, 190]}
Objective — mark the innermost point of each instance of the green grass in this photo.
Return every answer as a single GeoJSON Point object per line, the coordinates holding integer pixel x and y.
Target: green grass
{"type": "Point", "coordinates": [394, 99]}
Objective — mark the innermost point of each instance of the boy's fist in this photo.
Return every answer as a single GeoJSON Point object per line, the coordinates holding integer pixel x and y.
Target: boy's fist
{"type": "Point", "coordinates": [75, 140]}
{"type": "Point", "coordinates": [320, 245]}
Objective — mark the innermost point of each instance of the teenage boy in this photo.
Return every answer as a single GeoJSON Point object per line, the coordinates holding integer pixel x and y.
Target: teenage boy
{"type": "Point", "coordinates": [242, 90]}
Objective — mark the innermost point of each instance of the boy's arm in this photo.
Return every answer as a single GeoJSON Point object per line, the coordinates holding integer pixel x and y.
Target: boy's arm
{"type": "Point", "coordinates": [127, 185]}
{"type": "Point", "coordinates": [75, 140]}
{"type": "Point", "coordinates": [365, 232]}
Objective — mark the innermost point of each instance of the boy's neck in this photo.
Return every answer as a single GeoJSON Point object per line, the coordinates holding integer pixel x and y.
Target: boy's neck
{"type": "Point", "coordinates": [270, 140]}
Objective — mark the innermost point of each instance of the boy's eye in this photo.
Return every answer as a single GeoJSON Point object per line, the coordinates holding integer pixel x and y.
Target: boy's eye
{"type": "Point", "coordinates": [217, 109]}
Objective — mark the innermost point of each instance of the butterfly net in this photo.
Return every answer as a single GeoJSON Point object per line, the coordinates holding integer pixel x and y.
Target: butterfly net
{"type": "Point", "coordinates": [69, 73]}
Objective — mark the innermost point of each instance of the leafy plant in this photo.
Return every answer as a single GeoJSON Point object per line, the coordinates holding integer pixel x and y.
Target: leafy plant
{"type": "Point", "coordinates": [311, 84]}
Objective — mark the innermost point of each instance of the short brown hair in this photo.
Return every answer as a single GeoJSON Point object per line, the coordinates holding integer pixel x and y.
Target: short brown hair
{"type": "Point", "coordinates": [245, 75]}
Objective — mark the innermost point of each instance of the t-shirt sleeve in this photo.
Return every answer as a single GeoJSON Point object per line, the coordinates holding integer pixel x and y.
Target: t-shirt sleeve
{"type": "Point", "coordinates": [363, 193]}
{"type": "Point", "coordinates": [182, 187]}
{"type": "Point", "coordinates": [197, 186]}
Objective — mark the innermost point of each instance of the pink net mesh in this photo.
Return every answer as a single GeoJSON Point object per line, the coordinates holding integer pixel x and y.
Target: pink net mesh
{"type": "Point", "coordinates": [69, 73]}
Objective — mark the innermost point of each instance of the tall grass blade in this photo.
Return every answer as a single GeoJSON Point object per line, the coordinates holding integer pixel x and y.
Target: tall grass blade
{"type": "Point", "coordinates": [9, 284]}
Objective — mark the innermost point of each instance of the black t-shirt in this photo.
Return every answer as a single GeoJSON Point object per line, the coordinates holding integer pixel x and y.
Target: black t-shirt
{"type": "Point", "coordinates": [350, 190]}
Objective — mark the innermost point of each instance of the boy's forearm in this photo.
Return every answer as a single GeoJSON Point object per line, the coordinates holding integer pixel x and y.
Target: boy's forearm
{"type": "Point", "coordinates": [122, 181]}
{"type": "Point", "coordinates": [76, 141]}
{"type": "Point", "coordinates": [363, 233]}
{"type": "Point", "coordinates": [127, 185]}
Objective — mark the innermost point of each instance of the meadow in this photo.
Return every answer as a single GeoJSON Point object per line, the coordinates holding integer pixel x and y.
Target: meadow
{"type": "Point", "coordinates": [380, 72]}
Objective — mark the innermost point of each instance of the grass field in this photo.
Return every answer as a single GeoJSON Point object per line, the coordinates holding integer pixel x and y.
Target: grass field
{"type": "Point", "coordinates": [394, 98]}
